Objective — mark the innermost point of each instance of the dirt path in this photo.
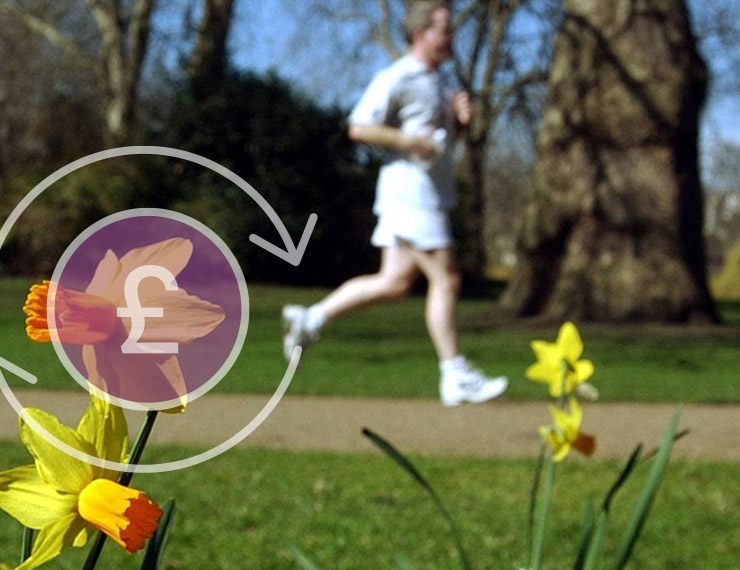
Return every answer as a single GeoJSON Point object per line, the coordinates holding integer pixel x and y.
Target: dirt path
{"type": "Point", "coordinates": [502, 428]}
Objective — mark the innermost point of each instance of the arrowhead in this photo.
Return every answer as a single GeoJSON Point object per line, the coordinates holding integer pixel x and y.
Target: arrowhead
{"type": "Point", "coordinates": [291, 253]}
{"type": "Point", "coordinates": [18, 371]}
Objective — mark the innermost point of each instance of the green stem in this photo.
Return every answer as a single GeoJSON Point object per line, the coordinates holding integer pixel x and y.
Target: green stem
{"type": "Point", "coordinates": [136, 452]}
{"type": "Point", "coordinates": [533, 495]}
{"type": "Point", "coordinates": [27, 545]}
{"type": "Point", "coordinates": [538, 547]}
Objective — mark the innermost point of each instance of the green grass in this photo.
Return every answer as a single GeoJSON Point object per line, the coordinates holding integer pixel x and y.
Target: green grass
{"type": "Point", "coordinates": [244, 509]}
{"type": "Point", "coordinates": [384, 351]}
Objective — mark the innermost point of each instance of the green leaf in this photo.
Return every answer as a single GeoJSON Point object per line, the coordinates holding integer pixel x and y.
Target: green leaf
{"type": "Point", "coordinates": [399, 458]}
{"type": "Point", "coordinates": [632, 462]}
{"type": "Point", "coordinates": [533, 494]}
{"type": "Point", "coordinates": [642, 507]}
{"type": "Point", "coordinates": [396, 455]}
{"type": "Point", "coordinates": [304, 561]}
{"type": "Point", "coordinates": [587, 551]}
{"type": "Point", "coordinates": [538, 546]}
{"type": "Point", "coordinates": [586, 535]}
{"type": "Point", "coordinates": [595, 552]}
{"type": "Point", "coordinates": [158, 542]}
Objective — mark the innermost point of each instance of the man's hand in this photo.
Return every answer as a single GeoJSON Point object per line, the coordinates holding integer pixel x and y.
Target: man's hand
{"type": "Point", "coordinates": [423, 147]}
{"type": "Point", "coordinates": [462, 107]}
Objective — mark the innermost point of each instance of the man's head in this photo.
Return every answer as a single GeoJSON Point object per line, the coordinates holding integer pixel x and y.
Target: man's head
{"type": "Point", "coordinates": [428, 30]}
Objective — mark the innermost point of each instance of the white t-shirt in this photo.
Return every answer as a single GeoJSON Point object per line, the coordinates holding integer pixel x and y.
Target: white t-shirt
{"type": "Point", "coordinates": [410, 96]}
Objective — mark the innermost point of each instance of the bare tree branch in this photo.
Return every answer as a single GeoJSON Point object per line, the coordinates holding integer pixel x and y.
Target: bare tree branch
{"type": "Point", "coordinates": [46, 30]}
{"type": "Point", "coordinates": [382, 33]}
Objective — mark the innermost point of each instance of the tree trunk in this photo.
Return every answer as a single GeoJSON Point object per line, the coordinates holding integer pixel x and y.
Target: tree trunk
{"type": "Point", "coordinates": [612, 230]}
{"type": "Point", "coordinates": [125, 42]}
{"type": "Point", "coordinates": [209, 60]}
{"type": "Point", "coordinates": [472, 255]}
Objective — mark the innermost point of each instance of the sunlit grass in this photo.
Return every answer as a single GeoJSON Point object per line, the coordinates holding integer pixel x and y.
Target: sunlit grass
{"type": "Point", "coordinates": [244, 509]}
{"type": "Point", "coordinates": [384, 351]}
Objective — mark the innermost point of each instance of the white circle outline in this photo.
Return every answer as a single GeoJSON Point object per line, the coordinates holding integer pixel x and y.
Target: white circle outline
{"type": "Point", "coordinates": [225, 251]}
{"type": "Point", "coordinates": [269, 406]}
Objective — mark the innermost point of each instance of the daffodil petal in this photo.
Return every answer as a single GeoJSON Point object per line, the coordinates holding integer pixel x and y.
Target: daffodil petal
{"type": "Point", "coordinates": [560, 417]}
{"type": "Point", "coordinates": [142, 378]}
{"type": "Point", "coordinates": [111, 273]}
{"type": "Point", "coordinates": [105, 274]}
{"type": "Point", "coordinates": [584, 370]}
{"type": "Point", "coordinates": [104, 426]}
{"type": "Point", "coordinates": [576, 411]}
{"type": "Point", "coordinates": [60, 470]}
{"type": "Point", "coordinates": [546, 374]}
{"type": "Point", "coordinates": [82, 537]}
{"type": "Point", "coordinates": [172, 254]}
{"type": "Point", "coordinates": [33, 503]}
{"type": "Point", "coordinates": [570, 342]}
{"type": "Point", "coordinates": [547, 351]}
{"type": "Point", "coordinates": [543, 372]}
{"type": "Point", "coordinates": [52, 539]}
{"type": "Point", "coordinates": [561, 453]}
{"type": "Point", "coordinates": [184, 318]}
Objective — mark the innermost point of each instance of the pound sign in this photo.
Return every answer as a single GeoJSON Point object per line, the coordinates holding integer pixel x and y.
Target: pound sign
{"type": "Point", "coordinates": [138, 314]}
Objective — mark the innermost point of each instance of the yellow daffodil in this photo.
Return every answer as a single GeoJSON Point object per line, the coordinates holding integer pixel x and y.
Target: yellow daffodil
{"type": "Point", "coordinates": [65, 498]}
{"type": "Point", "coordinates": [558, 364]}
{"type": "Point", "coordinates": [566, 432]}
{"type": "Point", "coordinates": [91, 319]}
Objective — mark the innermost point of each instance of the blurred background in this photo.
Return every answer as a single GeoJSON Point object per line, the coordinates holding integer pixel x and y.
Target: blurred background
{"type": "Point", "coordinates": [264, 88]}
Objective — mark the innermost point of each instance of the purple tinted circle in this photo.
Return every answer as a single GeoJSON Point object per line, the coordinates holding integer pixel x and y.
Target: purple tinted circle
{"type": "Point", "coordinates": [211, 275]}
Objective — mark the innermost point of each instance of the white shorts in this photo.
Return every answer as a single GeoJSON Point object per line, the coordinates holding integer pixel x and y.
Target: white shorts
{"type": "Point", "coordinates": [424, 230]}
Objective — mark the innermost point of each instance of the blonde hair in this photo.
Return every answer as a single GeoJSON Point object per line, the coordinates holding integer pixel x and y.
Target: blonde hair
{"type": "Point", "coordinates": [419, 16]}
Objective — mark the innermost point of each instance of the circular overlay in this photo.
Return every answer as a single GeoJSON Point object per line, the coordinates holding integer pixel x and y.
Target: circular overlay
{"type": "Point", "coordinates": [80, 281]}
{"type": "Point", "coordinates": [148, 306]}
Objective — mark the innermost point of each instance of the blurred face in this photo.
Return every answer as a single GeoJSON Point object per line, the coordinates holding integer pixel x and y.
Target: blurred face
{"type": "Point", "coordinates": [435, 41]}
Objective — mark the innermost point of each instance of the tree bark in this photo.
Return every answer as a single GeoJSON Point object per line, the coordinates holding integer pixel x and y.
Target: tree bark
{"type": "Point", "coordinates": [125, 42]}
{"type": "Point", "coordinates": [612, 230]}
{"type": "Point", "coordinates": [209, 60]}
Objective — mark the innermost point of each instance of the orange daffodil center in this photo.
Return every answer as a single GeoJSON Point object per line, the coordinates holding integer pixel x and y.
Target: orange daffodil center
{"type": "Point", "coordinates": [80, 318]}
{"type": "Point", "coordinates": [64, 497]}
{"type": "Point", "coordinates": [559, 364]}
{"type": "Point", "coordinates": [126, 515]}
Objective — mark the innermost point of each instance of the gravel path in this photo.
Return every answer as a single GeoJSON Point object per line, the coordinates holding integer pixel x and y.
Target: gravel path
{"type": "Point", "coordinates": [502, 428]}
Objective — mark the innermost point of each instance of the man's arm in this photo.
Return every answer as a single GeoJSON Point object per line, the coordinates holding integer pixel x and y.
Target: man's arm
{"type": "Point", "coordinates": [392, 138]}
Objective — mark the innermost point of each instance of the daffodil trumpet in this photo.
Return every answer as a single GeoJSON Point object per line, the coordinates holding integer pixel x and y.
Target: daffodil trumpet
{"type": "Point", "coordinates": [136, 452]}
{"type": "Point", "coordinates": [565, 432]}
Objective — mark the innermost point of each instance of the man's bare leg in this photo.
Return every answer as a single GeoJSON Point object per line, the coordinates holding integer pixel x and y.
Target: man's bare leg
{"type": "Point", "coordinates": [460, 382]}
{"type": "Point", "coordinates": [394, 280]}
{"type": "Point", "coordinates": [440, 269]}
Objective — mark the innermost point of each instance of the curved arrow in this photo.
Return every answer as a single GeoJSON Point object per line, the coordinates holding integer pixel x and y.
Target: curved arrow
{"type": "Point", "coordinates": [291, 253]}
{"type": "Point", "coordinates": [17, 370]}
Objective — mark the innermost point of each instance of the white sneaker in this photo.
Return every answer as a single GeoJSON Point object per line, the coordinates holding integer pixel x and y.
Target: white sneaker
{"type": "Point", "coordinates": [295, 330]}
{"type": "Point", "coordinates": [470, 385]}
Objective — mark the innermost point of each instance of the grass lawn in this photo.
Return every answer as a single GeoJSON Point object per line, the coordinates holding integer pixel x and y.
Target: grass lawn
{"type": "Point", "coordinates": [244, 509]}
{"type": "Point", "coordinates": [384, 351]}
